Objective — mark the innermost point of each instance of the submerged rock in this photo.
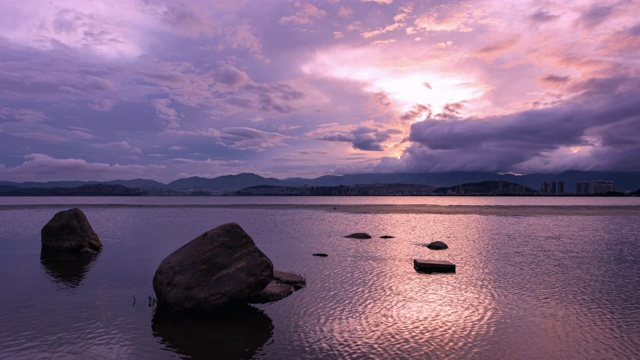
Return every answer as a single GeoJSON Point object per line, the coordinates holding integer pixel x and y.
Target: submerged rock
{"type": "Point", "coordinates": [295, 280]}
{"type": "Point", "coordinates": [359, 236]}
{"type": "Point", "coordinates": [282, 285]}
{"type": "Point", "coordinates": [437, 245]}
{"type": "Point", "coordinates": [221, 267]}
{"type": "Point", "coordinates": [70, 231]}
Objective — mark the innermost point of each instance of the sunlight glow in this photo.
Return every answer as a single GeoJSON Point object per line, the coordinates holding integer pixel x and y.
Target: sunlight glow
{"type": "Point", "coordinates": [406, 86]}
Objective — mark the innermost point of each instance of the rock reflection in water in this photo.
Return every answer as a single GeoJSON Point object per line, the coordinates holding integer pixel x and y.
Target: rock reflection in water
{"type": "Point", "coordinates": [67, 268]}
{"type": "Point", "coordinates": [236, 333]}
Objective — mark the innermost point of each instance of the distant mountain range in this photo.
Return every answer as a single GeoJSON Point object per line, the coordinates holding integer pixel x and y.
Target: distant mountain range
{"type": "Point", "coordinates": [624, 181]}
{"type": "Point", "coordinates": [84, 190]}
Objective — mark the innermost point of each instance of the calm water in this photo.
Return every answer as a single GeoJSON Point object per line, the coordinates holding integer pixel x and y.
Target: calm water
{"type": "Point", "coordinates": [526, 287]}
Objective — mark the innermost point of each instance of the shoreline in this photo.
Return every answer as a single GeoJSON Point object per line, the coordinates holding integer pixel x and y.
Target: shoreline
{"type": "Point", "coordinates": [488, 210]}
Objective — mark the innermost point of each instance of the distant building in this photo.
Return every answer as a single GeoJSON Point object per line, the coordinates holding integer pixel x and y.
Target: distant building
{"type": "Point", "coordinates": [594, 187]}
{"type": "Point", "coordinates": [552, 187]}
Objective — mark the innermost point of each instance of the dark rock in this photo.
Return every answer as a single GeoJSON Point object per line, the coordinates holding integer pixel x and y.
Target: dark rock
{"type": "Point", "coordinates": [387, 237]}
{"type": "Point", "coordinates": [274, 291]}
{"type": "Point", "coordinates": [433, 266]}
{"type": "Point", "coordinates": [282, 285]}
{"type": "Point", "coordinates": [359, 236]}
{"type": "Point", "coordinates": [221, 267]}
{"type": "Point", "coordinates": [320, 254]}
{"type": "Point", "coordinates": [70, 231]}
{"type": "Point", "coordinates": [437, 245]}
{"type": "Point", "coordinates": [295, 280]}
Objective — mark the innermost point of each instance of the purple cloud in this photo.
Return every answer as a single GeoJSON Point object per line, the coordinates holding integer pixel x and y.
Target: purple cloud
{"type": "Point", "coordinates": [603, 123]}
{"type": "Point", "coordinates": [315, 87]}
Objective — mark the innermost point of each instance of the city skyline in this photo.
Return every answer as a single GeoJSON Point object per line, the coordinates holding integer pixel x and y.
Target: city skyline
{"type": "Point", "coordinates": [171, 89]}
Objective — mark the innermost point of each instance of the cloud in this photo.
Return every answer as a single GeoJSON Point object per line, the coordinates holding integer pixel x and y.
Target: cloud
{"type": "Point", "coordinates": [379, 1]}
{"type": "Point", "coordinates": [23, 115]}
{"type": "Point", "coordinates": [189, 20]}
{"type": "Point", "coordinates": [365, 137]}
{"type": "Point", "coordinates": [166, 112]}
{"type": "Point", "coordinates": [244, 138]}
{"type": "Point", "coordinates": [101, 105]}
{"type": "Point", "coordinates": [399, 22]}
{"type": "Point", "coordinates": [599, 129]}
{"type": "Point", "coordinates": [554, 79]}
{"type": "Point", "coordinates": [595, 15]}
{"type": "Point", "coordinates": [430, 22]}
{"type": "Point", "coordinates": [345, 11]}
{"type": "Point", "coordinates": [118, 146]}
{"type": "Point", "coordinates": [543, 16]}
{"type": "Point", "coordinates": [40, 166]}
{"type": "Point", "coordinates": [386, 29]}
{"type": "Point", "coordinates": [306, 13]}
{"type": "Point", "coordinates": [148, 80]}
{"type": "Point", "coordinates": [497, 48]}
{"type": "Point", "coordinates": [44, 132]}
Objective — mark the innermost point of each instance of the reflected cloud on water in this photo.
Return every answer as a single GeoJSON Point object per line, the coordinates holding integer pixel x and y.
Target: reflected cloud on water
{"type": "Point", "coordinates": [66, 268]}
{"type": "Point", "coordinates": [236, 333]}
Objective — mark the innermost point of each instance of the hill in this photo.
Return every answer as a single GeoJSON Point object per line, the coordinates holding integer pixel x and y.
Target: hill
{"type": "Point", "coordinates": [624, 181]}
{"type": "Point", "coordinates": [224, 183]}
{"type": "Point", "coordinates": [84, 190]}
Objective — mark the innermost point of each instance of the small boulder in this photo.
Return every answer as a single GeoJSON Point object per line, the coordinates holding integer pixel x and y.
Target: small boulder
{"type": "Point", "coordinates": [222, 266]}
{"type": "Point", "coordinates": [70, 231]}
{"type": "Point", "coordinates": [387, 237]}
{"type": "Point", "coordinates": [359, 236]}
{"type": "Point", "coordinates": [320, 254]}
{"type": "Point", "coordinates": [295, 280]}
{"type": "Point", "coordinates": [282, 285]}
{"type": "Point", "coordinates": [437, 245]}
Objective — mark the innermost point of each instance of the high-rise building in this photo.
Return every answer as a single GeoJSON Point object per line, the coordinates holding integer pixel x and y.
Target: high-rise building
{"type": "Point", "coordinates": [594, 187]}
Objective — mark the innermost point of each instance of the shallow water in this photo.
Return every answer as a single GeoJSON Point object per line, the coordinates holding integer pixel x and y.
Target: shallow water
{"type": "Point", "coordinates": [526, 287]}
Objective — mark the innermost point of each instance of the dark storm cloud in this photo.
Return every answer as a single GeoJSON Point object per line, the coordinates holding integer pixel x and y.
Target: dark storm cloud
{"type": "Point", "coordinates": [362, 138]}
{"type": "Point", "coordinates": [604, 121]}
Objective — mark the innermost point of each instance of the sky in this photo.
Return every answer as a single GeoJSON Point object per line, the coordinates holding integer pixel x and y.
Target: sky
{"type": "Point", "coordinates": [167, 89]}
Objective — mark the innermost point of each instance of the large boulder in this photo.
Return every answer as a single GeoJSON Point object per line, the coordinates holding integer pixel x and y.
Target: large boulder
{"type": "Point", "coordinates": [221, 267]}
{"type": "Point", "coordinates": [70, 231]}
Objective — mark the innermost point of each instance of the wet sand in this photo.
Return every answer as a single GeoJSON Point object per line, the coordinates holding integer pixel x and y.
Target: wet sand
{"type": "Point", "coordinates": [493, 210]}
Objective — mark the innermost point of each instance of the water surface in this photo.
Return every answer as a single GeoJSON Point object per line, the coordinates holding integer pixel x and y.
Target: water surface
{"type": "Point", "coordinates": [526, 287]}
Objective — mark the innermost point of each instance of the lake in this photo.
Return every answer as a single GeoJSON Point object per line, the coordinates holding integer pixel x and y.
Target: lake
{"type": "Point", "coordinates": [537, 277]}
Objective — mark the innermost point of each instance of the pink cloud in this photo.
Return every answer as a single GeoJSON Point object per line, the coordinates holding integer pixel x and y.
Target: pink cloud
{"type": "Point", "coordinates": [305, 13]}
